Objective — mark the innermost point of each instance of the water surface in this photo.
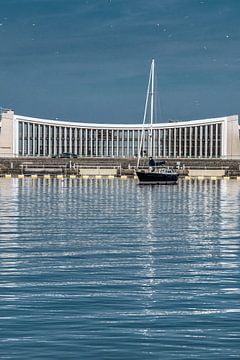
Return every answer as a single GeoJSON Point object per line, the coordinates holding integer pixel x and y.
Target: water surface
{"type": "Point", "coordinates": [107, 269]}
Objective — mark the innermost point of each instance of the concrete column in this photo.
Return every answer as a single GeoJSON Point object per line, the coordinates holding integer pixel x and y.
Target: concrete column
{"type": "Point", "coordinates": [201, 139]}
{"type": "Point", "coordinates": [70, 140]}
{"type": "Point", "coordinates": [75, 141]}
{"type": "Point", "coordinates": [206, 141]}
{"type": "Point", "coordinates": [112, 155]}
{"type": "Point", "coordinates": [28, 126]}
{"type": "Point", "coordinates": [91, 143]}
{"type": "Point", "coordinates": [117, 143]}
{"type": "Point", "coordinates": [174, 143]}
{"type": "Point", "coordinates": [107, 145]}
{"type": "Point", "coordinates": [216, 142]}
{"type": "Point", "coordinates": [49, 140]}
{"type": "Point", "coordinates": [96, 142]}
{"type": "Point", "coordinates": [185, 142]}
{"type": "Point", "coordinates": [164, 142]}
{"type": "Point", "coordinates": [211, 140]}
{"type": "Point", "coordinates": [169, 142]}
{"type": "Point", "coordinates": [54, 140]}
{"type": "Point", "coordinates": [86, 141]}
{"type": "Point", "coordinates": [44, 145]}
{"type": "Point", "coordinates": [101, 142]}
{"type": "Point", "coordinates": [195, 141]}
{"type": "Point", "coordinates": [123, 135]}
{"type": "Point", "coordinates": [190, 142]}
{"type": "Point", "coordinates": [180, 142]}
{"type": "Point", "coordinates": [33, 140]}
{"type": "Point", "coordinates": [80, 143]}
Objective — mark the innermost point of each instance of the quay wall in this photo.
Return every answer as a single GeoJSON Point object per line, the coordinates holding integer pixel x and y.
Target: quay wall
{"type": "Point", "coordinates": [34, 165]}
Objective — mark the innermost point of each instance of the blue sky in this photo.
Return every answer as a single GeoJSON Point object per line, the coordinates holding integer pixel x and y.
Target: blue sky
{"type": "Point", "coordinates": [88, 60]}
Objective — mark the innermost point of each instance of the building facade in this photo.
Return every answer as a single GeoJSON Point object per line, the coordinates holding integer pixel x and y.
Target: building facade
{"type": "Point", "coordinates": [22, 136]}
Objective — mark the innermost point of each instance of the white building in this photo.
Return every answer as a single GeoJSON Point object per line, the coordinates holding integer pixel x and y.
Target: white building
{"type": "Point", "coordinates": [22, 136]}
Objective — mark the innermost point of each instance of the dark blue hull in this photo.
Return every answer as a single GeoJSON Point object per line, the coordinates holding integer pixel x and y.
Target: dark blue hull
{"type": "Point", "coordinates": [152, 178]}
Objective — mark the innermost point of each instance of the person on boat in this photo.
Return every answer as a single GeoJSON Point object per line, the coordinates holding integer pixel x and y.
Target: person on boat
{"type": "Point", "coordinates": [151, 164]}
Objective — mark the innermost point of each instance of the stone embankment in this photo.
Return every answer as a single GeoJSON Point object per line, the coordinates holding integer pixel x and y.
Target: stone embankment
{"type": "Point", "coordinates": [41, 166]}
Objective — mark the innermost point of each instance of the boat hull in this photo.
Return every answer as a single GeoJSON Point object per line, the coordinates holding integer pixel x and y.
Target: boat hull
{"type": "Point", "coordinates": [152, 178]}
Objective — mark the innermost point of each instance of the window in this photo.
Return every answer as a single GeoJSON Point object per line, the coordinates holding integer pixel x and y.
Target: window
{"type": "Point", "coordinates": [20, 138]}
{"type": "Point", "coordinates": [36, 139]}
{"type": "Point", "coordinates": [25, 139]}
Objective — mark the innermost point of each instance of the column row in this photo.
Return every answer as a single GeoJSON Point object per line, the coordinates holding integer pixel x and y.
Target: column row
{"type": "Point", "coordinates": [204, 141]}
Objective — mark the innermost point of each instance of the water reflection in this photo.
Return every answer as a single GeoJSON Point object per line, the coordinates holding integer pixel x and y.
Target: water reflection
{"type": "Point", "coordinates": [107, 264]}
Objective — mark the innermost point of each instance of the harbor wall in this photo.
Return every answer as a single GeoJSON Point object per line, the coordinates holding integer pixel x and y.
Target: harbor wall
{"type": "Point", "coordinates": [123, 166]}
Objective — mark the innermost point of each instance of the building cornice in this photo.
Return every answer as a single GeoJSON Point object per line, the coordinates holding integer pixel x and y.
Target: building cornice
{"type": "Point", "coordinates": [120, 126]}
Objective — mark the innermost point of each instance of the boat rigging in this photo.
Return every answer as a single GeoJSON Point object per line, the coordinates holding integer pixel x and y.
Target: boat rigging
{"type": "Point", "coordinates": [156, 173]}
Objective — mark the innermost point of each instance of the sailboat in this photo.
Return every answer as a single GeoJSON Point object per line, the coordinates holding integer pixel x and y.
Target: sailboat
{"type": "Point", "coordinates": [155, 173]}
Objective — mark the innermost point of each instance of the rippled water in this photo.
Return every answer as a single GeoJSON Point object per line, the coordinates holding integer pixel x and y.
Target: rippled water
{"type": "Point", "coordinates": [108, 269]}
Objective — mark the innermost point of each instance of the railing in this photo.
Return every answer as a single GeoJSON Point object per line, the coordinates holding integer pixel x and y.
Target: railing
{"type": "Point", "coordinates": [2, 110]}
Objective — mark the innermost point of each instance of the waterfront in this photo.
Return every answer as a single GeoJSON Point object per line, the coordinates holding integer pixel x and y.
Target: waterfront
{"type": "Point", "coordinates": [107, 269]}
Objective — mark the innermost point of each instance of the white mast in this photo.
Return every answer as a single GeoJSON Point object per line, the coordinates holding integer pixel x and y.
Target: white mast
{"type": "Point", "coordinates": [152, 104]}
{"type": "Point", "coordinates": [150, 82]}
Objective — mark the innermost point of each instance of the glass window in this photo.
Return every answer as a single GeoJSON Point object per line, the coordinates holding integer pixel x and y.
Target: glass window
{"type": "Point", "coordinates": [88, 142]}
{"type": "Point", "coordinates": [84, 142]}
{"type": "Point", "coordinates": [114, 142]}
{"type": "Point", "coordinates": [219, 141]}
{"type": "Point", "coordinates": [120, 143]}
{"type": "Point", "coordinates": [31, 139]}
{"type": "Point", "coordinates": [25, 139]}
{"type": "Point", "coordinates": [20, 138]}
{"type": "Point", "coordinates": [99, 143]}
{"type": "Point", "coordinates": [46, 140]}
{"type": "Point", "coordinates": [135, 143]}
{"type": "Point", "coordinates": [41, 140]}
{"type": "Point", "coordinates": [63, 139]}
{"type": "Point", "coordinates": [177, 141]}
{"type": "Point", "coordinates": [52, 140]}
{"type": "Point", "coordinates": [104, 143]}
{"type": "Point", "coordinates": [36, 139]}
{"type": "Point", "coordinates": [182, 141]}
{"type": "Point", "coordinates": [166, 142]}
{"type": "Point", "coordinates": [78, 141]}
{"type": "Point", "coordinates": [208, 140]}
{"type": "Point", "coordinates": [57, 140]}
